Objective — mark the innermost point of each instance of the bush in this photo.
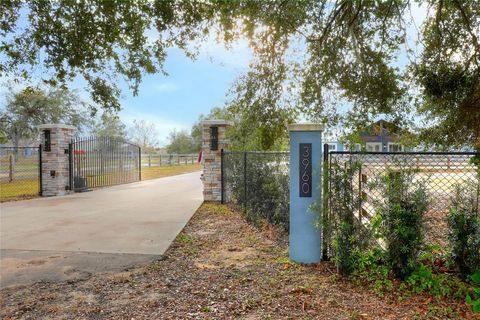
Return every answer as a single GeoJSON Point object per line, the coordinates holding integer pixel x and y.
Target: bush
{"type": "Point", "coordinates": [261, 187]}
{"type": "Point", "coordinates": [464, 229]}
{"type": "Point", "coordinates": [402, 224]}
{"type": "Point", "coordinates": [268, 196]}
{"type": "Point", "coordinates": [350, 237]}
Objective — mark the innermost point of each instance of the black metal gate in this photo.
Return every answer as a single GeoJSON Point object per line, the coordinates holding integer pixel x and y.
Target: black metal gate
{"type": "Point", "coordinates": [102, 161]}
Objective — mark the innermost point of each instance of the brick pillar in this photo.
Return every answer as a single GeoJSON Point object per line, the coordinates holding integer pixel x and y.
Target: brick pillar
{"type": "Point", "coordinates": [55, 159]}
{"type": "Point", "coordinates": [211, 159]}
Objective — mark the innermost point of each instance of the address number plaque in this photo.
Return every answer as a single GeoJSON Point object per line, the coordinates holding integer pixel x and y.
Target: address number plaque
{"type": "Point", "coordinates": [305, 170]}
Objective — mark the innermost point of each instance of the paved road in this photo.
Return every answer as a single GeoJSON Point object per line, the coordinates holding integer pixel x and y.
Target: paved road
{"type": "Point", "coordinates": [109, 229]}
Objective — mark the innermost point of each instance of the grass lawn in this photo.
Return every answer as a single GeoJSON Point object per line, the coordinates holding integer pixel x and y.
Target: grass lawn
{"type": "Point", "coordinates": [19, 189]}
{"type": "Point", "coordinates": [160, 172]}
{"type": "Point", "coordinates": [220, 267]}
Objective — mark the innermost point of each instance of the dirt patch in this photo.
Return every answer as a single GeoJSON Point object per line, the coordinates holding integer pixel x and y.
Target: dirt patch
{"type": "Point", "coordinates": [12, 265]}
{"type": "Point", "coordinates": [220, 267]}
{"type": "Point", "coordinates": [232, 257]}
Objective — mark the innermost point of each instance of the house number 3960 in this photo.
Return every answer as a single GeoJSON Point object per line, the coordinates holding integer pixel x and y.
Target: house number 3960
{"type": "Point", "coordinates": [305, 170]}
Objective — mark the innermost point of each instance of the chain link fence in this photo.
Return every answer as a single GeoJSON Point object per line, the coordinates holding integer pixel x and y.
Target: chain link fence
{"type": "Point", "coordinates": [258, 182]}
{"type": "Point", "coordinates": [439, 175]}
{"type": "Point", "coordinates": [19, 172]}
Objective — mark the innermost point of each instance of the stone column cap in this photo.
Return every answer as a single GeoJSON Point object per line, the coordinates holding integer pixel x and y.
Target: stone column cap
{"type": "Point", "coordinates": [56, 126]}
{"type": "Point", "coordinates": [305, 127]}
{"type": "Point", "coordinates": [217, 122]}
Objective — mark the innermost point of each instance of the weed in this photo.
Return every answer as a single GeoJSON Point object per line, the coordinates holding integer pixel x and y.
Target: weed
{"type": "Point", "coordinates": [249, 304]}
{"type": "Point", "coordinates": [440, 312]}
{"type": "Point", "coordinates": [123, 278]}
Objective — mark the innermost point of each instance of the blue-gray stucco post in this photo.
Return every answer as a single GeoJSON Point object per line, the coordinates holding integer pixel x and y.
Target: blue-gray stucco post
{"type": "Point", "coordinates": [305, 191]}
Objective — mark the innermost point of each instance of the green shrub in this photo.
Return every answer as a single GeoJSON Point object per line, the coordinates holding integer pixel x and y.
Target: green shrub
{"type": "Point", "coordinates": [464, 229]}
{"type": "Point", "coordinates": [261, 187]}
{"type": "Point", "coordinates": [350, 237]}
{"type": "Point", "coordinates": [473, 298]}
{"type": "Point", "coordinates": [402, 222]}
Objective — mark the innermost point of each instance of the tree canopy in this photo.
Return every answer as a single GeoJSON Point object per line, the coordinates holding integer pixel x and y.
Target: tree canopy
{"type": "Point", "coordinates": [109, 125]}
{"type": "Point", "coordinates": [26, 109]}
{"type": "Point", "coordinates": [311, 57]}
{"type": "Point", "coordinates": [144, 134]}
{"type": "Point", "coordinates": [181, 142]}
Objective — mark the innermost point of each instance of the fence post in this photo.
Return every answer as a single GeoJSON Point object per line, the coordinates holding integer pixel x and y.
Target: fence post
{"type": "Point", "coordinates": [211, 157]}
{"type": "Point", "coordinates": [139, 164]}
{"type": "Point", "coordinates": [305, 192]}
{"type": "Point", "coordinates": [221, 177]}
{"type": "Point", "coordinates": [40, 169]}
{"type": "Point", "coordinates": [245, 181]}
{"type": "Point", "coordinates": [11, 167]}
{"type": "Point", "coordinates": [360, 193]}
{"type": "Point", "coordinates": [56, 159]}
{"type": "Point", "coordinates": [149, 161]}
{"type": "Point", "coordinates": [326, 196]}
{"type": "Point", "coordinates": [70, 166]}
{"type": "Point", "coordinates": [160, 160]}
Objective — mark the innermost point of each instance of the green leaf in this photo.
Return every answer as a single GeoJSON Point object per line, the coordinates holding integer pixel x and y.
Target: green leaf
{"type": "Point", "coordinates": [475, 277]}
{"type": "Point", "coordinates": [468, 299]}
{"type": "Point", "coordinates": [476, 306]}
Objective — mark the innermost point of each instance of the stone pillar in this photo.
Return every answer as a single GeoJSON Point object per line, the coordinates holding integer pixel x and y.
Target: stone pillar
{"type": "Point", "coordinates": [305, 191]}
{"type": "Point", "coordinates": [211, 157]}
{"type": "Point", "coordinates": [55, 159]}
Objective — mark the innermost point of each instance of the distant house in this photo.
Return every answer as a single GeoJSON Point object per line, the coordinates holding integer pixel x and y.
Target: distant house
{"type": "Point", "coordinates": [26, 147]}
{"type": "Point", "coordinates": [382, 136]}
{"type": "Point", "coordinates": [335, 146]}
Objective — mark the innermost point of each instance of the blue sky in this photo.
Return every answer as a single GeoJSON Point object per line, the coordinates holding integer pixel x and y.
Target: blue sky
{"type": "Point", "coordinates": [191, 88]}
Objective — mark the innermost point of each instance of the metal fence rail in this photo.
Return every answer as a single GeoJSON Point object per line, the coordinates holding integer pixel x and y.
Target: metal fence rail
{"type": "Point", "coordinates": [19, 172]}
{"type": "Point", "coordinates": [438, 174]}
{"type": "Point", "coordinates": [100, 162]}
{"type": "Point", "coordinates": [259, 183]}
{"type": "Point", "coordinates": [163, 160]}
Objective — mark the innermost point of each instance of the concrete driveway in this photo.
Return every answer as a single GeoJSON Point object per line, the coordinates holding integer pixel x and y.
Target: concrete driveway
{"type": "Point", "coordinates": [108, 229]}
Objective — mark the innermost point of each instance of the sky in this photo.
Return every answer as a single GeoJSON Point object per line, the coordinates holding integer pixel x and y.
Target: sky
{"type": "Point", "coordinates": [192, 87]}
